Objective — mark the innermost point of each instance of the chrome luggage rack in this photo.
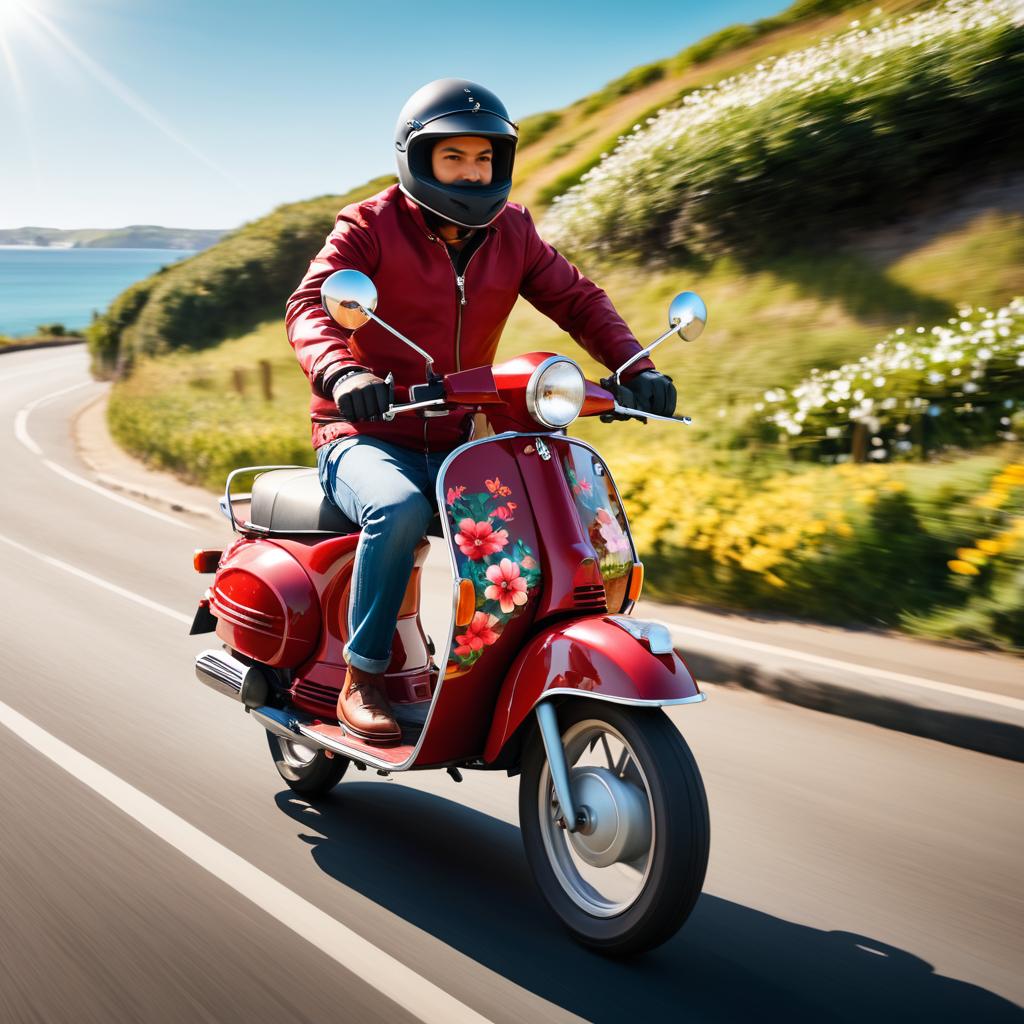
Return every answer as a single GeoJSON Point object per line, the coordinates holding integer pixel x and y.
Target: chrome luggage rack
{"type": "Point", "coordinates": [226, 506]}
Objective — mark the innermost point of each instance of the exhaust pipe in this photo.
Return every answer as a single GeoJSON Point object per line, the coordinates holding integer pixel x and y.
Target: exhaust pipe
{"type": "Point", "coordinates": [225, 674]}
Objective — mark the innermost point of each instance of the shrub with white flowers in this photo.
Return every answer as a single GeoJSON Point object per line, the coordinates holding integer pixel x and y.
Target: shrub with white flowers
{"type": "Point", "coordinates": [814, 140]}
{"type": "Point", "coordinates": [960, 383]}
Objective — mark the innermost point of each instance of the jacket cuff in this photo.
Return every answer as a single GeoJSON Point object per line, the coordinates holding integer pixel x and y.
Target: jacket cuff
{"type": "Point", "coordinates": [636, 369]}
{"type": "Point", "coordinates": [324, 381]}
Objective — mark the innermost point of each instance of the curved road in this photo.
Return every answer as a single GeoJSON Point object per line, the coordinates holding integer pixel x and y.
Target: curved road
{"type": "Point", "coordinates": [153, 867]}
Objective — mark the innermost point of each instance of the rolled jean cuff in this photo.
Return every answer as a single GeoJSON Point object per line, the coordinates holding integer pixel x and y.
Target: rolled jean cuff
{"type": "Point", "coordinates": [372, 665]}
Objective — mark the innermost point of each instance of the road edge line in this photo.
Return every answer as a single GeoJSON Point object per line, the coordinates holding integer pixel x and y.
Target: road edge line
{"type": "Point", "coordinates": [395, 981]}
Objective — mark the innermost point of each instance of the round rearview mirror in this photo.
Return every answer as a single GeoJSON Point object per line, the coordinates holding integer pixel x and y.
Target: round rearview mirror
{"type": "Point", "coordinates": [349, 296]}
{"type": "Point", "coordinates": [688, 315]}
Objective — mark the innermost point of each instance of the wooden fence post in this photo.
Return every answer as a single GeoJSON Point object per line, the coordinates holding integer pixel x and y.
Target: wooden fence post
{"type": "Point", "coordinates": [266, 379]}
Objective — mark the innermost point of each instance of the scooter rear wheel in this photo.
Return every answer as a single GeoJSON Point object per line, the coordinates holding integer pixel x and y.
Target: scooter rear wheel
{"type": "Point", "coordinates": [307, 771]}
{"type": "Point", "coordinates": [627, 880]}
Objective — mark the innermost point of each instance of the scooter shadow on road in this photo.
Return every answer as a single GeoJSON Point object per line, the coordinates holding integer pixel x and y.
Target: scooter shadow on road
{"type": "Point", "coordinates": [461, 876]}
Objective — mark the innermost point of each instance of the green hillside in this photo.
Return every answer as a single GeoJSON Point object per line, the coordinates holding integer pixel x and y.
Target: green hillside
{"type": "Point", "coordinates": [725, 511]}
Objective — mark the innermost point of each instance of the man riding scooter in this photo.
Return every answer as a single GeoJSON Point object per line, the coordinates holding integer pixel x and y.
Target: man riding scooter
{"type": "Point", "coordinates": [449, 256]}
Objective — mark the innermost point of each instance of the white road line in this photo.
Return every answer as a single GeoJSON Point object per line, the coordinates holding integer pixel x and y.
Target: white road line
{"type": "Point", "coordinates": [55, 365]}
{"type": "Point", "coordinates": [99, 582]}
{"type": "Point", "coordinates": [22, 434]}
{"type": "Point", "coordinates": [681, 632]}
{"type": "Point", "coordinates": [21, 418]}
{"type": "Point", "coordinates": [397, 982]}
{"type": "Point", "coordinates": [82, 482]}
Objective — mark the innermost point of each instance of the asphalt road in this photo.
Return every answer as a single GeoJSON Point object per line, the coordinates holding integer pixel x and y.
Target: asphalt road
{"type": "Point", "coordinates": [153, 867]}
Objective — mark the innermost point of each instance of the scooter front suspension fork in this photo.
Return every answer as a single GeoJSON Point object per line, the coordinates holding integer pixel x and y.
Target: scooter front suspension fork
{"type": "Point", "coordinates": [555, 753]}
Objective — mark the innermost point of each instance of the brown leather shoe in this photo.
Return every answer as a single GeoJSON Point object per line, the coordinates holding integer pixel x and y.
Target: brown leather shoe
{"type": "Point", "coordinates": [364, 710]}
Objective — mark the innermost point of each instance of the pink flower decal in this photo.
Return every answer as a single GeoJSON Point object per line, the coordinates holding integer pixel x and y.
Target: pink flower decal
{"type": "Point", "coordinates": [505, 511]}
{"type": "Point", "coordinates": [479, 634]}
{"type": "Point", "coordinates": [454, 493]}
{"type": "Point", "coordinates": [614, 539]}
{"type": "Point", "coordinates": [529, 562]}
{"type": "Point", "coordinates": [478, 540]}
{"type": "Point", "coordinates": [507, 587]}
{"type": "Point", "coordinates": [583, 487]}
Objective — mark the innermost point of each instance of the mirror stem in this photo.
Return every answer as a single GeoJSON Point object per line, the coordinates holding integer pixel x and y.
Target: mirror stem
{"type": "Point", "coordinates": [644, 352]}
{"type": "Point", "coordinates": [401, 337]}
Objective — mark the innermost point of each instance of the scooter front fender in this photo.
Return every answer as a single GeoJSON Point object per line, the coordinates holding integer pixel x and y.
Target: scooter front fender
{"type": "Point", "coordinates": [591, 657]}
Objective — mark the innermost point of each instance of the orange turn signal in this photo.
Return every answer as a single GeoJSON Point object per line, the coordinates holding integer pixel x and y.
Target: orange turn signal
{"type": "Point", "coordinates": [636, 580]}
{"type": "Point", "coordinates": [206, 560]}
{"type": "Point", "coordinates": [467, 603]}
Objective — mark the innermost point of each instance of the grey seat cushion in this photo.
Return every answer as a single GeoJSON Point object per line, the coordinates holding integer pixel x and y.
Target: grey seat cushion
{"type": "Point", "coordinates": [292, 501]}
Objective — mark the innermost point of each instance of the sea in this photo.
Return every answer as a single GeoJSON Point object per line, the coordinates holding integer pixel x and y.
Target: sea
{"type": "Point", "coordinates": [67, 286]}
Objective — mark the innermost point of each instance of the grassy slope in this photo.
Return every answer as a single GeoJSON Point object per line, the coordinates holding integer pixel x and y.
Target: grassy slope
{"type": "Point", "coordinates": [581, 137]}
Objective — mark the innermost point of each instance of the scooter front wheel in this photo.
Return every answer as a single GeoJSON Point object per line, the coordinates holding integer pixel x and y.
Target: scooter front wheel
{"type": "Point", "coordinates": [627, 879]}
{"type": "Point", "coordinates": [307, 771]}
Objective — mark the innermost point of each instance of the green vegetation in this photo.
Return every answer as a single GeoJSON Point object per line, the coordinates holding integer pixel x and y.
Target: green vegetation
{"type": "Point", "coordinates": [728, 172]}
{"type": "Point", "coordinates": [632, 81]}
{"type": "Point", "coordinates": [536, 126]}
{"type": "Point", "coordinates": [182, 411]}
{"type": "Point", "coordinates": [726, 40]}
{"type": "Point", "coordinates": [227, 289]}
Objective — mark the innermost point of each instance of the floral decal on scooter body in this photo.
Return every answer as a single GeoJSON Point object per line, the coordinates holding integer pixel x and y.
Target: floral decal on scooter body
{"type": "Point", "coordinates": [502, 566]}
{"type": "Point", "coordinates": [602, 517]}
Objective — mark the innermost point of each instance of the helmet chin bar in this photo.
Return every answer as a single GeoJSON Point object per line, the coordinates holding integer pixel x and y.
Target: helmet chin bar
{"type": "Point", "coordinates": [447, 216]}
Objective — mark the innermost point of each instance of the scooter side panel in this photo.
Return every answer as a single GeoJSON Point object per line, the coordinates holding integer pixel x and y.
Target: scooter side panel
{"type": "Point", "coordinates": [593, 656]}
{"type": "Point", "coordinates": [493, 539]}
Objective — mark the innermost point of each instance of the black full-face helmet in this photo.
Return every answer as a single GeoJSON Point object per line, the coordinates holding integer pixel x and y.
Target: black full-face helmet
{"type": "Point", "coordinates": [444, 109]}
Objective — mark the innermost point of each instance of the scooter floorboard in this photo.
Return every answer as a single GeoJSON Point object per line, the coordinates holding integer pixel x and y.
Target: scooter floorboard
{"type": "Point", "coordinates": [335, 736]}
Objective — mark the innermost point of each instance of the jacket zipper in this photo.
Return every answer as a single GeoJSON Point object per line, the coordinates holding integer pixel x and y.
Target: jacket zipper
{"type": "Point", "coordinates": [460, 285]}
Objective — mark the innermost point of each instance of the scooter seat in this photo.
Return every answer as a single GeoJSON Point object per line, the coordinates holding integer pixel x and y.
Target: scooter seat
{"type": "Point", "coordinates": [292, 501]}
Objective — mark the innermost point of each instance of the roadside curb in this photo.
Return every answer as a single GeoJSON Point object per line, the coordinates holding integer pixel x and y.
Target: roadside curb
{"type": "Point", "coordinates": [155, 486]}
{"type": "Point", "coordinates": [959, 721]}
{"type": "Point", "coordinates": [24, 347]}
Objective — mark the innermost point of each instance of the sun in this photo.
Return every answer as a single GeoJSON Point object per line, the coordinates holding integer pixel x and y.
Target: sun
{"type": "Point", "coordinates": [11, 13]}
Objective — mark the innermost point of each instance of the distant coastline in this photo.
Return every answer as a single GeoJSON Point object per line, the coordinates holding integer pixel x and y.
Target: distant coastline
{"type": "Point", "coordinates": [134, 236]}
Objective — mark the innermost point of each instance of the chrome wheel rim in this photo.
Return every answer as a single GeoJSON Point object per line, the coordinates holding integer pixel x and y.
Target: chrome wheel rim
{"type": "Point", "coordinates": [297, 755]}
{"type": "Point", "coordinates": [604, 866]}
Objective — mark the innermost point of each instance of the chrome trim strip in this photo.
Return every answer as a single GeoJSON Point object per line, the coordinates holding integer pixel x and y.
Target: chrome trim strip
{"type": "Point", "coordinates": [568, 691]}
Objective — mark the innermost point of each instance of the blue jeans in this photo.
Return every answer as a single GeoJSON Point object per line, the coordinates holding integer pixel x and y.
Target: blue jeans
{"type": "Point", "coordinates": [389, 491]}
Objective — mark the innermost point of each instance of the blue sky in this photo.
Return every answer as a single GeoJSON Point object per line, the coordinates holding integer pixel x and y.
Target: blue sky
{"type": "Point", "coordinates": [208, 113]}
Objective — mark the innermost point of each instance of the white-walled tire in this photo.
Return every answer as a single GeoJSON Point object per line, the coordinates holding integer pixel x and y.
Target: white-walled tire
{"type": "Point", "coordinates": [627, 880]}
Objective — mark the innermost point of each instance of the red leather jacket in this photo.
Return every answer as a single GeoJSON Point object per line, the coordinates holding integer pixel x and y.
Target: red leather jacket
{"type": "Point", "coordinates": [387, 238]}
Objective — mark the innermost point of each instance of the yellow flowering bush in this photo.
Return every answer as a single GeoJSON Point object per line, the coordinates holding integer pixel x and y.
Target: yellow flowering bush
{"type": "Point", "coordinates": [723, 532]}
{"type": "Point", "coordinates": [841, 543]}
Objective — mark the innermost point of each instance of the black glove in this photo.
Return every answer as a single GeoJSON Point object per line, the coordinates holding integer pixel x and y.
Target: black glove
{"type": "Point", "coordinates": [361, 396]}
{"type": "Point", "coordinates": [649, 391]}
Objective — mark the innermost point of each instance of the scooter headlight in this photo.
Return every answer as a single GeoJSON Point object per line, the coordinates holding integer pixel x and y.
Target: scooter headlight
{"type": "Point", "coordinates": [555, 393]}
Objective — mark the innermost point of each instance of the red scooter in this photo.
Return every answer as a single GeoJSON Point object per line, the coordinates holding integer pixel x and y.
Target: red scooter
{"type": "Point", "coordinates": [545, 674]}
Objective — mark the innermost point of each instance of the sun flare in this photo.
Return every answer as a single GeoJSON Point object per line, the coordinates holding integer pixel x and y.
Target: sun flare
{"type": "Point", "coordinates": [12, 12]}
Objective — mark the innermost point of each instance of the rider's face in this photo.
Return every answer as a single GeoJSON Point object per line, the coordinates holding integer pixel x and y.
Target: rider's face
{"type": "Point", "coordinates": [463, 160]}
